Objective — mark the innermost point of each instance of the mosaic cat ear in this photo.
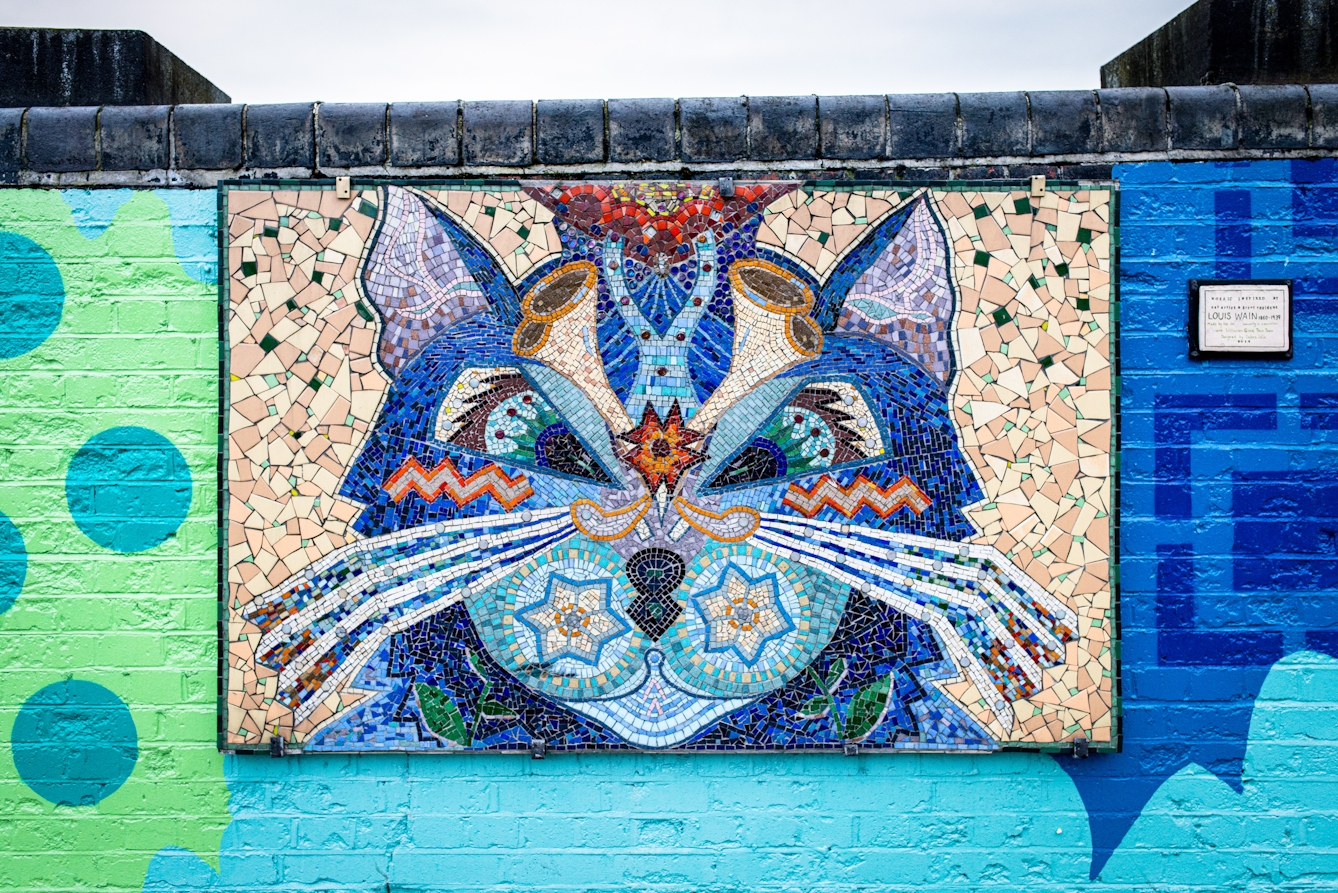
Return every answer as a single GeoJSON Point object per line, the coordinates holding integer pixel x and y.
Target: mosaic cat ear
{"type": "Point", "coordinates": [558, 328]}
{"type": "Point", "coordinates": [894, 286]}
{"type": "Point", "coordinates": [773, 332]}
{"type": "Point", "coordinates": [423, 273]}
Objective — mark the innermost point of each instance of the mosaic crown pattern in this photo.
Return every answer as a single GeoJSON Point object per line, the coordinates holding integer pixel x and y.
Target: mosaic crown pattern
{"type": "Point", "coordinates": [652, 465]}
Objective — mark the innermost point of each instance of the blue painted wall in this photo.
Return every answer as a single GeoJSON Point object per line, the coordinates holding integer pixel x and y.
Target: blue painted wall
{"type": "Point", "coordinates": [1229, 504]}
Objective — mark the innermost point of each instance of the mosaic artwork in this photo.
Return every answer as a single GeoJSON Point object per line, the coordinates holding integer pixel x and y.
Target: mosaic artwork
{"type": "Point", "coordinates": [751, 466]}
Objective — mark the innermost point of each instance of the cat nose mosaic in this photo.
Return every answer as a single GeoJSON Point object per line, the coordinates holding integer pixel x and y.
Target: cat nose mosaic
{"type": "Point", "coordinates": [649, 466]}
{"type": "Point", "coordinates": [655, 574]}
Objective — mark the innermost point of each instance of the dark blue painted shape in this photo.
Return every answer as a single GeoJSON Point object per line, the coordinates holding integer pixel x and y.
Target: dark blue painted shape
{"type": "Point", "coordinates": [1315, 201]}
{"type": "Point", "coordinates": [1178, 417]}
{"type": "Point", "coordinates": [1320, 411]}
{"type": "Point", "coordinates": [1158, 742]}
{"type": "Point", "coordinates": [1232, 237]}
{"type": "Point", "coordinates": [1286, 539]}
{"type": "Point", "coordinates": [1175, 586]}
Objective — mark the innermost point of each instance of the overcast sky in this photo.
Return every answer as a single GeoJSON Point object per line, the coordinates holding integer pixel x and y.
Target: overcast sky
{"type": "Point", "coordinates": [385, 50]}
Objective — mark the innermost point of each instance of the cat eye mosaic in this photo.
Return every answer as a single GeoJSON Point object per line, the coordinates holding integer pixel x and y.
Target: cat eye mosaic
{"type": "Point", "coordinates": [655, 466]}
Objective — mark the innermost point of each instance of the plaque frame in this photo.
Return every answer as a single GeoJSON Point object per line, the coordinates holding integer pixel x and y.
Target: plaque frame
{"type": "Point", "coordinates": [1198, 352]}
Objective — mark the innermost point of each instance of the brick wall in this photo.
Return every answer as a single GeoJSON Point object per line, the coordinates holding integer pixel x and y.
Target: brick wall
{"type": "Point", "coordinates": [1229, 774]}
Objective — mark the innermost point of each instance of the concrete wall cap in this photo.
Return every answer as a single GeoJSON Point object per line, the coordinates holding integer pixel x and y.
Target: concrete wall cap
{"type": "Point", "coordinates": [570, 131]}
{"type": "Point", "coordinates": [1323, 115]}
{"type": "Point", "coordinates": [924, 130]}
{"type": "Point", "coordinates": [279, 136]}
{"type": "Point", "coordinates": [782, 127]}
{"type": "Point", "coordinates": [1203, 117]}
{"type": "Point", "coordinates": [60, 140]}
{"type": "Point", "coordinates": [499, 132]}
{"type": "Point", "coordinates": [714, 128]}
{"type": "Point", "coordinates": [1133, 119]}
{"type": "Point", "coordinates": [642, 130]}
{"type": "Point", "coordinates": [11, 144]}
{"type": "Point", "coordinates": [922, 125]}
{"type": "Point", "coordinates": [134, 138]}
{"type": "Point", "coordinates": [424, 134]}
{"type": "Point", "coordinates": [1273, 117]}
{"type": "Point", "coordinates": [1064, 122]}
{"type": "Point", "coordinates": [207, 137]}
{"type": "Point", "coordinates": [994, 124]}
{"type": "Point", "coordinates": [351, 134]}
{"type": "Point", "coordinates": [852, 127]}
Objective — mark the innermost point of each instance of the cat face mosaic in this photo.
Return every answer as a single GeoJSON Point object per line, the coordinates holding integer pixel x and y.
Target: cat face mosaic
{"type": "Point", "coordinates": [648, 465]}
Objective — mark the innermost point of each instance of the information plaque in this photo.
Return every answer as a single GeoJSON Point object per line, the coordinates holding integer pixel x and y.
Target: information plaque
{"type": "Point", "coordinates": [1240, 318]}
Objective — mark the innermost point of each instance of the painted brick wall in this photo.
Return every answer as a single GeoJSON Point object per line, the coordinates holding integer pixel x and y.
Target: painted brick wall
{"type": "Point", "coordinates": [1228, 780]}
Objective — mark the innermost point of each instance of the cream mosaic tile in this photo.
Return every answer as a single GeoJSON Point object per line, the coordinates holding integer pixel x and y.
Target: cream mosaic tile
{"type": "Point", "coordinates": [1032, 404]}
{"type": "Point", "coordinates": [517, 229]}
{"type": "Point", "coordinates": [304, 387]}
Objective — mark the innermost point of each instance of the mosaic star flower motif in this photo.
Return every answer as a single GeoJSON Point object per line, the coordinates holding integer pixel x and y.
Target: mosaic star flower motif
{"type": "Point", "coordinates": [662, 450]}
{"type": "Point", "coordinates": [575, 619]}
{"type": "Point", "coordinates": [742, 614]}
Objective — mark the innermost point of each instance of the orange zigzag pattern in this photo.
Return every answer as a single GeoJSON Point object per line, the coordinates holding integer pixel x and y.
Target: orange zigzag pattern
{"type": "Point", "coordinates": [489, 480]}
{"type": "Point", "coordinates": [847, 501]}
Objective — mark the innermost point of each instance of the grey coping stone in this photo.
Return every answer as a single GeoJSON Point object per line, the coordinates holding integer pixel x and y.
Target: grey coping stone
{"type": "Point", "coordinates": [499, 133]}
{"type": "Point", "coordinates": [914, 127]}
{"type": "Point", "coordinates": [424, 134]}
{"type": "Point", "coordinates": [62, 139]}
{"type": "Point", "coordinates": [1133, 119]}
{"type": "Point", "coordinates": [11, 140]}
{"type": "Point", "coordinates": [570, 131]}
{"type": "Point", "coordinates": [922, 125]}
{"type": "Point", "coordinates": [1064, 122]}
{"type": "Point", "coordinates": [351, 134]}
{"type": "Point", "coordinates": [208, 137]}
{"type": "Point", "coordinates": [782, 127]}
{"type": "Point", "coordinates": [1273, 117]}
{"type": "Point", "coordinates": [280, 136]}
{"type": "Point", "coordinates": [1203, 117]}
{"type": "Point", "coordinates": [994, 124]}
{"type": "Point", "coordinates": [714, 128]}
{"type": "Point", "coordinates": [853, 127]}
{"type": "Point", "coordinates": [1323, 115]}
{"type": "Point", "coordinates": [134, 137]}
{"type": "Point", "coordinates": [641, 130]}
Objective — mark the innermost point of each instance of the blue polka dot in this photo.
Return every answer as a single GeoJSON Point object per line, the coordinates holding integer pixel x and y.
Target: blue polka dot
{"type": "Point", "coordinates": [74, 743]}
{"type": "Point", "coordinates": [32, 295]}
{"type": "Point", "coordinates": [128, 489]}
{"type": "Point", "coordinates": [13, 563]}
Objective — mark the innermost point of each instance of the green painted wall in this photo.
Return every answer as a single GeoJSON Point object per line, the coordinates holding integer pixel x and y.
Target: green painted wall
{"type": "Point", "coordinates": [135, 346]}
